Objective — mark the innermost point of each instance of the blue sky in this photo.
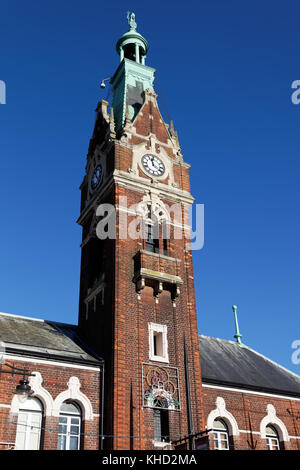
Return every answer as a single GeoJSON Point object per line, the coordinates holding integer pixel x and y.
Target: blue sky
{"type": "Point", "coordinates": [224, 75]}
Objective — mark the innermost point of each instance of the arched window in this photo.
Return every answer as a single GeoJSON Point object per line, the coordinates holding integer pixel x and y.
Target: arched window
{"type": "Point", "coordinates": [272, 438]}
{"type": "Point", "coordinates": [69, 426]}
{"type": "Point", "coordinates": [220, 433]}
{"type": "Point", "coordinates": [28, 436]}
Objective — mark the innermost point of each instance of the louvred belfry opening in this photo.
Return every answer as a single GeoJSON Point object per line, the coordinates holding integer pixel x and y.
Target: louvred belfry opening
{"type": "Point", "coordinates": [137, 302]}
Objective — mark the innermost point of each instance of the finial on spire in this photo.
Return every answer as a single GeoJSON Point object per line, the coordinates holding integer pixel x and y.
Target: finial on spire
{"type": "Point", "coordinates": [237, 331]}
{"type": "Point", "coordinates": [131, 20]}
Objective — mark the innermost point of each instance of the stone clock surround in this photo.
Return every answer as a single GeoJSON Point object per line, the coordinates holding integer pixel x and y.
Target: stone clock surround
{"type": "Point", "coordinates": [141, 150]}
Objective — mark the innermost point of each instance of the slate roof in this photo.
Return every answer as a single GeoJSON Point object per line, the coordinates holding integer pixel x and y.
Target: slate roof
{"type": "Point", "coordinates": [45, 339]}
{"type": "Point", "coordinates": [225, 363]}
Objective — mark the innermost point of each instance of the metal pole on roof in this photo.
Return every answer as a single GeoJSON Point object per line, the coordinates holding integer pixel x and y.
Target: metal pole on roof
{"type": "Point", "coordinates": [237, 331]}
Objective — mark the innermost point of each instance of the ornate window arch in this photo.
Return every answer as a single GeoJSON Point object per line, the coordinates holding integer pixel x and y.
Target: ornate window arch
{"type": "Point", "coordinates": [35, 382]}
{"type": "Point", "coordinates": [221, 412]}
{"type": "Point", "coordinates": [73, 393]}
{"type": "Point", "coordinates": [154, 214]}
{"type": "Point", "coordinates": [152, 209]}
{"type": "Point", "coordinates": [272, 419]}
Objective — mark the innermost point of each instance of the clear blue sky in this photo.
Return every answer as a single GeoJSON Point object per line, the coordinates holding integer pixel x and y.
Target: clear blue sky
{"type": "Point", "coordinates": [224, 74]}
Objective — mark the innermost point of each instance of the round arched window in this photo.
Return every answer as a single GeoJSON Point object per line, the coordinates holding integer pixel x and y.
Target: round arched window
{"type": "Point", "coordinates": [272, 438]}
{"type": "Point", "coordinates": [69, 426]}
{"type": "Point", "coordinates": [220, 433]}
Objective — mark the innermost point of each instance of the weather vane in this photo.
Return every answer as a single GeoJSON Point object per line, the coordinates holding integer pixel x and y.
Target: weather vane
{"type": "Point", "coordinates": [131, 20]}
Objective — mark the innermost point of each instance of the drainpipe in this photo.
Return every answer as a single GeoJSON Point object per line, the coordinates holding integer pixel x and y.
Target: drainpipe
{"type": "Point", "coordinates": [188, 399]}
{"type": "Point", "coordinates": [102, 407]}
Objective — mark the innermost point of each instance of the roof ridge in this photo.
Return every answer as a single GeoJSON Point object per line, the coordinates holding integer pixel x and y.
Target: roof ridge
{"type": "Point", "coordinates": [21, 316]}
{"type": "Point", "coordinates": [219, 339]}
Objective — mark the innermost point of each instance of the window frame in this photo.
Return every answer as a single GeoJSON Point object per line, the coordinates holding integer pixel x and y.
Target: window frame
{"type": "Point", "coordinates": [161, 426]}
{"type": "Point", "coordinates": [29, 413]}
{"type": "Point", "coordinates": [69, 416]}
{"type": "Point", "coordinates": [217, 432]}
{"type": "Point", "coordinates": [91, 299]}
{"type": "Point", "coordinates": [152, 242]}
{"type": "Point", "coordinates": [272, 437]}
{"type": "Point", "coordinates": [154, 329]}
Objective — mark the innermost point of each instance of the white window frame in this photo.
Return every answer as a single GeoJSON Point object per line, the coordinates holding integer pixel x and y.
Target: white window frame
{"type": "Point", "coordinates": [217, 436]}
{"type": "Point", "coordinates": [69, 417]}
{"type": "Point", "coordinates": [29, 414]}
{"type": "Point", "coordinates": [163, 330]}
{"type": "Point", "coordinates": [273, 442]}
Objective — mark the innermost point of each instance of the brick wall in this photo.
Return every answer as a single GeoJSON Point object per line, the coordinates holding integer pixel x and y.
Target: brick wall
{"type": "Point", "coordinates": [249, 409]}
{"type": "Point", "coordinates": [55, 380]}
{"type": "Point", "coordinates": [132, 314]}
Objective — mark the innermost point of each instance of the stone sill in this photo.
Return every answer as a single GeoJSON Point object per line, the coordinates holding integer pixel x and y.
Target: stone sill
{"type": "Point", "coordinates": [162, 445]}
{"type": "Point", "coordinates": [158, 276]}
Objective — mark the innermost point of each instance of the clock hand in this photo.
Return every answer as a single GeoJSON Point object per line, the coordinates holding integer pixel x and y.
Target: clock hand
{"type": "Point", "coordinates": [151, 166]}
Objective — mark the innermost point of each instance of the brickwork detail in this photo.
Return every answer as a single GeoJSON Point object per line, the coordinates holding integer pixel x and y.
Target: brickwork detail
{"type": "Point", "coordinates": [49, 382]}
{"type": "Point", "coordinates": [252, 413]}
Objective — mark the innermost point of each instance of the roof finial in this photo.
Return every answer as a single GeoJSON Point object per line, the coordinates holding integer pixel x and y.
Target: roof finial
{"type": "Point", "coordinates": [237, 331]}
{"type": "Point", "coordinates": [131, 20]}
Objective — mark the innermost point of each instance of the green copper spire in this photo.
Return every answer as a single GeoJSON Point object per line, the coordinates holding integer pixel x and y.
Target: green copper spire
{"type": "Point", "coordinates": [237, 331]}
{"type": "Point", "coordinates": [132, 77]}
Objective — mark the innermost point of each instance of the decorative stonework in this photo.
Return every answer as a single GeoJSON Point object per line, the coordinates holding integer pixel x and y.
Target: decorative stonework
{"type": "Point", "coordinates": [152, 208]}
{"type": "Point", "coordinates": [175, 141]}
{"type": "Point", "coordinates": [159, 281]}
{"type": "Point", "coordinates": [127, 128]}
{"type": "Point", "coordinates": [160, 387]}
{"type": "Point", "coordinates": [102, 109]}
{"type": "Point", "coordinates": [272, 419]}
{"type": "Point", "coordinates": [73, 393]}
{"type": "Point", "coordinates": [112, 124]}
{"type": "Point", "coordinates": [35, 382]}
{"type": "Point", "coordinates": [221, 412]}
{"type": "Point", "coordinates": [150, 146]}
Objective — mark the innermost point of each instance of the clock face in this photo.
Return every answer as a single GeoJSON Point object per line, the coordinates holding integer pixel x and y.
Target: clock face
{"type": "Point", "coordinates": [96, 178]}
{"type": "Point", "coordinates": [153, 165]}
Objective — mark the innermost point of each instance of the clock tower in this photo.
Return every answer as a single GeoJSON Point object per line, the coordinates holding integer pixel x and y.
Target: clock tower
{"type": "Point", "coordinates": [137, 302]}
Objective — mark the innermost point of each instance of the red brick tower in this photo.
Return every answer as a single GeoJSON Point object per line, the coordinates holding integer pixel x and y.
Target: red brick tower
{"type": "Point", "coordinates": [137, 303]}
